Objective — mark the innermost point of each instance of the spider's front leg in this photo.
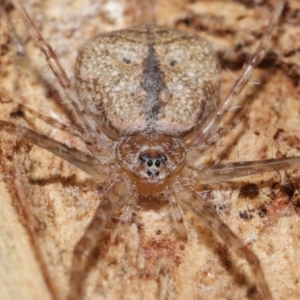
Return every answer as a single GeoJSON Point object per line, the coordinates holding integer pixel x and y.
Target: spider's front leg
{"type": "Point", "coordinates": [225, 172]}
{"type": "Point", "coordinates": [88, 163]}
{"type": "Point", "coordinates": [72, 130]}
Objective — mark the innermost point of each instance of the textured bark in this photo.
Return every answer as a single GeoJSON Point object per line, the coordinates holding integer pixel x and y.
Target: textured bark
{"type": "Point", "coordinates": [46, 203]}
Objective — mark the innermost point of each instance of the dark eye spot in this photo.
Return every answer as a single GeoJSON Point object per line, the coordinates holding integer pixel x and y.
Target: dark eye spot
{"type": "Point", "coordinates": [126, 60]}
{"type": "Point", "coordinates": [149, 173]}
{"type": "Point", "coordinates": [149, 163]}
{"type": "Point", "coordinates": [173, 63]}
{"type": "Point", "coordinates": [131, 94]}
{"type": "Point", "coordinates": [157, 163]}
{"type": "Point", "coordinates": [143, 158]}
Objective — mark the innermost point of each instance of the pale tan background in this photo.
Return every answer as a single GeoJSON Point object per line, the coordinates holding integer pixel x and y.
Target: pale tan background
{"type": "Point", "coordinates": [60, 200]}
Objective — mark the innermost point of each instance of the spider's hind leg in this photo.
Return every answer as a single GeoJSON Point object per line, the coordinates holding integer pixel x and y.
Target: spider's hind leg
{"type": "Point", "coordinates": [210, 218]}
{"type": "Point", "coordinates": [114, 198]}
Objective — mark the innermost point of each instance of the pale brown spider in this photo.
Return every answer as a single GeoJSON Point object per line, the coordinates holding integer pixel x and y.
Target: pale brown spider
{"type": "Point", "coordinates": [150, 155]}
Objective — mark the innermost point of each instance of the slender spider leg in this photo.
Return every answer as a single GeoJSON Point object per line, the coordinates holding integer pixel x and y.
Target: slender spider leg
{"type": "Point", "coordinates": [126, 216]}
{"type": "Point", "coordinates": [237, 119]}
{"type": "Point", "coordinates": [212, 122]}
{"type": "Point", "coordinates": [72, 130]}
{"type": "Point", "coordinates": [225, 172]}
{"type": "Point", "coordinates": [88, 163]}
{"type": "Point", "coordinates": [115, 197]}
{"type": "Point", "coordinates": [75, 107]}
{"type": "Point", "coordinates": [177, 216]}
{"type": "Point", "coordinates": [210, 218]}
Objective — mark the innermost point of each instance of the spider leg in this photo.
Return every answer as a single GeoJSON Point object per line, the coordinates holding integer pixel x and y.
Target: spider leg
{"type": "Point", "coordinates": [237, 119]}
{"type": "Point", "coordinates": [74, 105]}
{"type": "Point", "coordinates": [177, 217]}
{"type": "Point", "coordinates": [88, 163]}
{"type": "Point", "coordinates": [72, 130]}
{"type": "Point", "coordinates": [211, 219]}
{"type": "Point", "coordinates": [198, 136]}
{"type": "Point", "coordinates": [225, 172]}
{"type": "Point", "coordinates": [113, 199]}
{"type": "Point", "coordinates": [126, 217]}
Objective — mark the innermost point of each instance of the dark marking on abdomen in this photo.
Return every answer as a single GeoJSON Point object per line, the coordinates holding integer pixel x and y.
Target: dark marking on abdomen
{"type": "Point", "coordinates": [153, 85]}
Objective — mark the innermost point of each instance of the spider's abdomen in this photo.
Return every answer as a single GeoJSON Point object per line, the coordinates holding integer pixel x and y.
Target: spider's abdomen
{"type": "Point", "coordinates": [148, 79]}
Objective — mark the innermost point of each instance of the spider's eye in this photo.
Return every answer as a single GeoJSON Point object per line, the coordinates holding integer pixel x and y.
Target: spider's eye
{"type": "Point", "coordinates": [144, 158]}
{"type": "Point", "coordinates": [163, 159]}
{"type": "Point", "coordinates": [153, 163]}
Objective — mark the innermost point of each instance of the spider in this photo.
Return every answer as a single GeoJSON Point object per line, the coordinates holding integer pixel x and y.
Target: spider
{"type": "Point", "coordinates": [166, 156]}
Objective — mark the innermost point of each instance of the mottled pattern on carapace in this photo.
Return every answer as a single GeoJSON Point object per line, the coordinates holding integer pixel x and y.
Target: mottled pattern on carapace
{"type": "Point", "coordinates": [148, 79]}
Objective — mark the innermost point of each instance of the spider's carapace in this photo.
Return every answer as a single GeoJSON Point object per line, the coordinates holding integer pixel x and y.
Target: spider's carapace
{"type": "Point", "coordinates": [151, 159]}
